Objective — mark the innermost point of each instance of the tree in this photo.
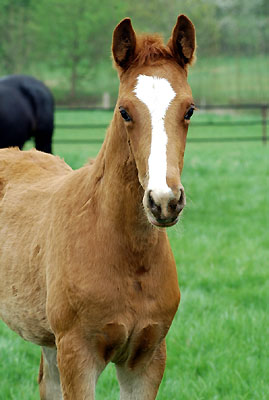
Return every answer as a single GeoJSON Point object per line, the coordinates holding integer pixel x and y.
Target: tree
{"type": "Point", "coordinates": [161, 15]}
{"type": "Point", "coordinates": [243, 26]}
{"type": "Point", "coordinates": [75, 35]}
{"type": "Point", "coordinates": [16, 36]}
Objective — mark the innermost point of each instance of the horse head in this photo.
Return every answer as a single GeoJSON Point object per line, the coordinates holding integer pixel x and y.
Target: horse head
{"type": "Point", "coordinates": [155, 105]}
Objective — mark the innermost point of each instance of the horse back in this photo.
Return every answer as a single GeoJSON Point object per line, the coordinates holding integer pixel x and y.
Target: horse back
{"type": "Point", "coordinates": [27, 110]}
{"type": "Point", "coordinates": [37, 95]}
{"type": "Point", "coordinates": [29, 166]}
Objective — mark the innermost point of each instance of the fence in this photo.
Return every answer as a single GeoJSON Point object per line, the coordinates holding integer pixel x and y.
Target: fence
{"type": "Point", "coordinates": [262, 121]}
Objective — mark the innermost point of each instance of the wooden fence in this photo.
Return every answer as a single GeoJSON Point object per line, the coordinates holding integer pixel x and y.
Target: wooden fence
{"type": "Point", "coordinates": [262, 121]}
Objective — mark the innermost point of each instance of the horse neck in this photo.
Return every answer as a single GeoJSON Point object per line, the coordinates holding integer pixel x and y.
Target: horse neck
{"type": "Point", "coordinates": [118, 193]}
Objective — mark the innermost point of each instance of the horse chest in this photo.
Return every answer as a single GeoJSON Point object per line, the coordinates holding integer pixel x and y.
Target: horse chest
{"type": "Point", "coordinates": [128, 321]}
{"type": "Point", "coordinates": [138, 295]}
{"type": "Point", "coordinates": [133, 348]}
{"type": "Point", "coordinates": [124, 305]}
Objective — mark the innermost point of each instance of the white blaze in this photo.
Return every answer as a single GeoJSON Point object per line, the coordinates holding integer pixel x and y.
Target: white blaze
{"type": "Point", "coordinates": [157, 94]}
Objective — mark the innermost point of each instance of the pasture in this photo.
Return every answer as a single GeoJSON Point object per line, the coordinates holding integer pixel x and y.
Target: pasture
{"type": "Point", "coordinates": [218, 342]}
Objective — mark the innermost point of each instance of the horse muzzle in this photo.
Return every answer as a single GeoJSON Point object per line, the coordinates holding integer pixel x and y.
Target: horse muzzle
{"type": "Point", "coordinates": [163, 208]}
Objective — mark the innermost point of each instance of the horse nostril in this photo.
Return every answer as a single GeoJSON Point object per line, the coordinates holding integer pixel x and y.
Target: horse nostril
{"type": "Point", "coordinates": [150, 201]}
{"type": "Point", "coordinates": [181, 196]}
{"type": "Point", "coordinates": [176, 205]}
{"type": "Point", "coordinates": [181, 201]}
{"type": "Point", "coordinates": [155, 208]}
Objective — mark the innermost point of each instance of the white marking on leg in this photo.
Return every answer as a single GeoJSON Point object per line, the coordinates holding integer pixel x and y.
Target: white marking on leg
{"type": "Point", "coordinates": [51, 374]}
{"type": "Point", "coordinates": [157, 94]}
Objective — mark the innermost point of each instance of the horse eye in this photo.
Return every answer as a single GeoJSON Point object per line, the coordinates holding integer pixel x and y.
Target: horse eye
{"type": "Point", "coordinates": [189, 113]}
{"type": "Point", "coordinates": [125, 115]}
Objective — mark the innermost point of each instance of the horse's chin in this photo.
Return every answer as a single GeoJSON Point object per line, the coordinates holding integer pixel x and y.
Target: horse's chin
{"type": "Point", "coordinates": [162, 224]}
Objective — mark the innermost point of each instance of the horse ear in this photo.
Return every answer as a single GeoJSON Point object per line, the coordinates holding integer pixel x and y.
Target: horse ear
{"type": "Point", "coordinates": [182, 41]}
{"type": "Point", "coordinates": [123, 44]}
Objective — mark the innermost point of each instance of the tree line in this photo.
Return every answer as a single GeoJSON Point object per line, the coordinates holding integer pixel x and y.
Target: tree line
{"type": "Point", "coordinates": [74, 37]}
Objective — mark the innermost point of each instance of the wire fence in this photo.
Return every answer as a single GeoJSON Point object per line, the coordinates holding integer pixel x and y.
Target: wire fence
{"type": "Point", "coordinates": [261, 121]}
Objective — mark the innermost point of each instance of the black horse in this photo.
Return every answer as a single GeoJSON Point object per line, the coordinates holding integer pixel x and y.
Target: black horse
{"type": "Point", "coordinates": [26, 110]}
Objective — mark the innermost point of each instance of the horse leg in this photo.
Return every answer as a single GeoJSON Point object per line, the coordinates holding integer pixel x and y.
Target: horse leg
{"type": "Point", "coordinates": [49, 378]}
{"type": "Point", "coordinates": [142, 383]}
{"type": "Point", "coordinates": [43, 142]}
{"type": "Point", "coordinates": [79, 369]}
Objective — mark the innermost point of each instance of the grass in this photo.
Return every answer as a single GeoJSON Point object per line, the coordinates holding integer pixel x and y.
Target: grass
{"type": "Point", "coordinates": [218, 343]}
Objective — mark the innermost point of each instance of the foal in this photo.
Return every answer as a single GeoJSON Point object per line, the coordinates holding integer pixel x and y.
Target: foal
{"type": "Point", "coordinates": [86, 272]}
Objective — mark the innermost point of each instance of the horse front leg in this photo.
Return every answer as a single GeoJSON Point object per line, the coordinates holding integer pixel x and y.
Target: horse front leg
{"type": "Point", "coordinates": [78, 368]}
{"type": "Point", "coordinates": [142, 381]}
{"type": "Point", "coordinates": [49, 378]}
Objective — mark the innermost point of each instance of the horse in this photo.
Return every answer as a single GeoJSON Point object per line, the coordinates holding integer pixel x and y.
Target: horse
{"type": "Point", "coordinates": [87, 271]}
{"type": "Point", "coordinates": [26, 110]}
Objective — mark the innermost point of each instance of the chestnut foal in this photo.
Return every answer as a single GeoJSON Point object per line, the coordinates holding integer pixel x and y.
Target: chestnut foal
{"type": "Point", "coordinates": [85, 270]}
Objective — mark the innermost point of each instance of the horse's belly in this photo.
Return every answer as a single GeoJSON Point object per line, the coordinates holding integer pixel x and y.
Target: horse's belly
{"type": "Point", "coordinates": [23, 280]}
{"type": "Point", "coordinates": [23, 304]}
{"type": "Point", "coordinates": [30, 323]}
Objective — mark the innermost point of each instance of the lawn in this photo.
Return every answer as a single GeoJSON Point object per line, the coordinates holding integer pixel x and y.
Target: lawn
{"type": "Point", "coordinates": [218, 344]}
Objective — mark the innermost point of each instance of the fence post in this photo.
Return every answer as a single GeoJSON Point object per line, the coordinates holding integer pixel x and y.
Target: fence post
{"type": "Point", "coordinates": [106, 100]}
{"type": "Point", "coordinates": [264, 123]}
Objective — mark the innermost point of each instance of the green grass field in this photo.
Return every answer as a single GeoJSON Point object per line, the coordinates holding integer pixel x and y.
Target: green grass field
{"type": "Point", "coordinates": [218, 344]}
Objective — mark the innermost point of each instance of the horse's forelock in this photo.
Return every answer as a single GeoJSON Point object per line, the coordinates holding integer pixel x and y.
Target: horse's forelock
{"type": "Point", "coordinates": [149, 50]}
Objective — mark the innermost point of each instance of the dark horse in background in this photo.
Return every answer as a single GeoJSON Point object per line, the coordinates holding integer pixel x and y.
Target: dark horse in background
{"type": "Point", "coordinates": [26, 110]}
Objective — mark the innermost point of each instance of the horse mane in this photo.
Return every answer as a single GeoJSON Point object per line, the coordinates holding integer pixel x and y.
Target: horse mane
{"type": "Point", "coordinates": [149, 50]}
